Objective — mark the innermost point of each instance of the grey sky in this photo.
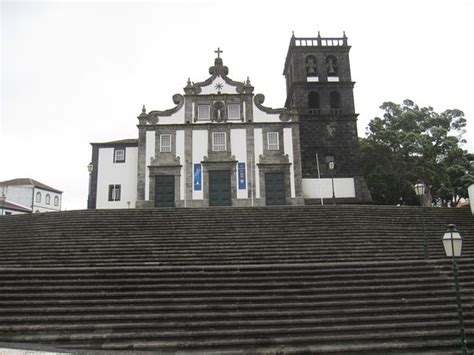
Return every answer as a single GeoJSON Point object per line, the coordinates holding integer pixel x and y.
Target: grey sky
{"type": "Point", "coordinates": [79, 72]}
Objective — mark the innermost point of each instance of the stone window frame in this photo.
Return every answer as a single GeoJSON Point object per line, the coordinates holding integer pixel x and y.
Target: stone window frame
{"type": "Point", "coordinates": [200, 105]}
{"type": "Point", "coordinates": [219, 145]}
{"type": "Point", "coordinates": [272, 128]}
{"type": "Point", "coordinates": [56, 200]}
{"type": "Point", "coordinates": [273, 140]}
{"type": "Point", "coordinates": [38, 197]}
{"type": "Point", "coordinates": [166, 148]}
{"type": "Point", "coordinates": [118, 158]}
{"type": "Point", "coordinates": [234, 105]}
{"type": "Point", "coordinates": [115, 192]}
{"type": "Point", "coordinates": [47, 199]}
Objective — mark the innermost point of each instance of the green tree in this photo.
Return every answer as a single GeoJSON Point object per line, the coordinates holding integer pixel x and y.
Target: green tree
{"type": "Point", "coordinates": [412, 143]}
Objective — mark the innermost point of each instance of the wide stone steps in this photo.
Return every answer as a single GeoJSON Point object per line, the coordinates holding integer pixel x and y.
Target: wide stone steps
{"type": "Point", "coordinates": [227, 236]}
{"type": "Point", "coordinates": [337, 306]}
{"type": "Point", "coordinates": [331, 279]}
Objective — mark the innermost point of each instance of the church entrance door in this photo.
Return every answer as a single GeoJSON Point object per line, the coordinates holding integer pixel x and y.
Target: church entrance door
{"type": "Point", "coordinates": [164, 191]}
{"type": "Point", "coordinates": [275, 192]}
{"type": "Point", "coordinates": [219, 188]}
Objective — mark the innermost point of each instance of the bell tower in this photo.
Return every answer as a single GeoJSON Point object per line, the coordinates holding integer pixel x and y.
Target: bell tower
{"type": "Point", "coordinates": [319, 87]}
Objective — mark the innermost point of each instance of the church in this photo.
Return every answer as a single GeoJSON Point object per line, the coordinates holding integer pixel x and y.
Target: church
{"type": "Point", "coordinates": [221, 146]}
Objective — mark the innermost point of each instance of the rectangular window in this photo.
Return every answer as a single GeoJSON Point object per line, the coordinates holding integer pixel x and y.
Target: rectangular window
{"type": "Point", "coordinates": [219, 142]}
{"type": "Point", "coordinates": [204, 112]}
{"type": "Point", "coordinates": [273, 142]}
{"type": "Point", "coordinates": [114, 192]}
{"type": "Point", "coordinates": [165, 142]}
{"type": "Point", "coordinates": [233, 111]}
{"type": "Point", "coordinates": [119, 155]}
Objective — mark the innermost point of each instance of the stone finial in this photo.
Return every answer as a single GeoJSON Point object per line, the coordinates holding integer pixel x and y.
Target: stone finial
{"type": "Point", "coordinates": [319, 34]}
{"type": "Point", "coordinates": [292, 33]}
{"type": "Point", "coordinates": [143, 109]}
{"type": "Point", "coordinates": [247, 82]}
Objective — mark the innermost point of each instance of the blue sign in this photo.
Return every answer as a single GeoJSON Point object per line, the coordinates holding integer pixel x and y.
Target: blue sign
{"type": "Point", "coordinates": [241, 170]}
{"type": "Point", "coordinates": [197, 177]}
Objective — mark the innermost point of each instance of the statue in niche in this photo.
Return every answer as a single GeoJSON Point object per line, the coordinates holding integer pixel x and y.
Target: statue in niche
{"type": "Point", "coordinates": [331, 66]}
{"type": "Point", "coordinates": [311, 67]}
{"type": "Point", "coordinates": [219, 111]}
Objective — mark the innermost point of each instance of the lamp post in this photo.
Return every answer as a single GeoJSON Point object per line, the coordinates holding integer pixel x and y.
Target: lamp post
{"type": "Point", "coordinates": [2, 202]}
{"type": "Point", "coordinates": [331, 167]}
{"type": "Point", "coordinates": [452, 242]}
{"type": "Point", "coordinates": [420, 191]}
{"type": "Point", "coordinates": [90, 168]}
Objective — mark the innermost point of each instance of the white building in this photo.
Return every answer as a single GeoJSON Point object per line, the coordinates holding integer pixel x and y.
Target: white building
{"type": "Point", "coordinates": [25, 195]}
{"type": "Point", "coordinates": [219, 146]}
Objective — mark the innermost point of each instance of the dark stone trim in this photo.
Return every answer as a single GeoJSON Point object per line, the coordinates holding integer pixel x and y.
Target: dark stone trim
{"type": "Point", "coordinates": [227, 164]}
{"type": "Point", "coordinates": [175, 170]}
{"type": "Point", "coordinates": [92, 197]}
{"type": "Point", "coordinates": [285, 114]}
{"type": "Point", "coordinates": [124, 154]}
{"type": "Point", "coordinates": [132, 143]}
{"type": "Point", "coordinates": [283, 167]}
{"type": "Point", "coordinates": [153, 116]}
{"type": "Point", "coordinates": [219, 70]}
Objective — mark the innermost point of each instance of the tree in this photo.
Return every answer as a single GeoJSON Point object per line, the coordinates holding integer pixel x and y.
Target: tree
{"type": "Point", "coordinates": [412, 143]}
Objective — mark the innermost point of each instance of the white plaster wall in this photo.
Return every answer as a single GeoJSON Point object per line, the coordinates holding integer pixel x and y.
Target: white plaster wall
{"type": "Point", "coordinates": [238, 148]}
{"type": "Point", "coordinates": [200, 140]}
{"type": "Point", "coordinates": [149, 153]}
{"type": "Point", "coordinates": [175, 118]}
{"type": "Point", "coordinates": [288, 149]}
{"type": "Point", "coordinates": [317, 188]}
{"type": "Point", "coordinates": [124, 174]}
{"type": "Point", "coordinates": [470, 191]}
{"type": "Point", "coordinates": [260, 116]}
{"type": "Point", "coordinates": [258, 142]}
{"type": "Point", "coordinates": [43, 206]}
{"type": "Point", "coordinates": [20, 195]}
{"type": "Point", "coordinates": [211, 89]}
{"type": "Point", "coordinates": [5, 210]}
{"type": "Point", "coordinates": [182, 160]}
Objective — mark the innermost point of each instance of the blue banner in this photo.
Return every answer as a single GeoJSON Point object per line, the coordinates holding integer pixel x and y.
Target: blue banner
{"type": "Point", "coordinates": [197, 177]}
{"type": "Point", "coordinates": [241, 170]}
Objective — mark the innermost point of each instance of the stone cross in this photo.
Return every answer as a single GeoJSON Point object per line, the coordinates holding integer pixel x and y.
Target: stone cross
{"type": "Point", "coordinates": [218, 52]}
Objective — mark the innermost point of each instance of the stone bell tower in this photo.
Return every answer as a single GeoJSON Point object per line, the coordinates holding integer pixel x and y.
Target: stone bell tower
{"type": "Point", "coordinates": [320, 88]}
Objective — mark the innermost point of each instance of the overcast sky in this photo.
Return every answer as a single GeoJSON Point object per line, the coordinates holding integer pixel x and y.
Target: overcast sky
{"type": "Point", "coordinates": [79, 72]}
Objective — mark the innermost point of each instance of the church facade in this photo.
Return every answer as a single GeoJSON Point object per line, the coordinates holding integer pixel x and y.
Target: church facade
{"type": "Point", "coordinates": [220, 146]}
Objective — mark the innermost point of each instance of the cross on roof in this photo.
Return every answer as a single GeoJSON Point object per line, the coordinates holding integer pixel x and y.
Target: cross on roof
{"type": "Point", "coordinates": [218, 52]}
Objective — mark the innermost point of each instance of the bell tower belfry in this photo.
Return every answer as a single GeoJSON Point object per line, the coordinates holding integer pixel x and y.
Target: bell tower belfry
{"type": "Point", "coordinates": [319, 87]}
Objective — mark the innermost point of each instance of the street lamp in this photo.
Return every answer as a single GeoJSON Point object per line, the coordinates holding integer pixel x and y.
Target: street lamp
{"type": "Point", "coordinates": [452, 242]}
{"type": "Point", "coordinates": [331, 167]}
{"type": "Point", "coordinates": [420, 191]}
{"type": "Point", "coordinates": [2, 202]}
{"type": "Point", "coordinates": [90, 168]}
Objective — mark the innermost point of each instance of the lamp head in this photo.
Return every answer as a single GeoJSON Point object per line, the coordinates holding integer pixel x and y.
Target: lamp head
{"type": "Point", "coordinates": [452, 241]}
{"type": "Point", "coordinates": [419, 188]}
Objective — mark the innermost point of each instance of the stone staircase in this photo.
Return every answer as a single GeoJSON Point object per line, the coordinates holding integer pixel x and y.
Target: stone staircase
{"type": "Point", "coordinates": [311, 279]}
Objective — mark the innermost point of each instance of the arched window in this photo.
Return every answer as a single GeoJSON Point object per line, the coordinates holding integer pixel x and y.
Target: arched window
{"type": "Point", "coordinates": [313, 102]}
{"type": "Point", "coordinates": [56, 200]}
{"type": "Point", "coordinates": [313, 99]}
{"type": "Point", "coordinates": [47, 199]}
{"type": "Point", "coordinates": [38, 197]}
{"type": "Point", "coordinates": [331, 65]}
{"type": "Point", "coordinates": [311, 66]}
{"type": "Point", "coordinates": [335, 102]}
